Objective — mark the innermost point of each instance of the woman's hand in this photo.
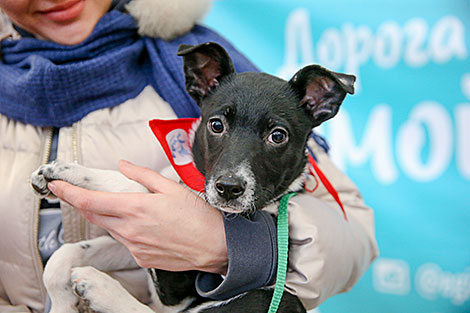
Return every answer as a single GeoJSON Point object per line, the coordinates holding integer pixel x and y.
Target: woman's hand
{"type": "Point", "coordinates": [171, 228]}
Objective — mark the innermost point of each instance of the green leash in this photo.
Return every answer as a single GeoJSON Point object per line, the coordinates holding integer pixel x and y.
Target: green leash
{"type": "Point", "coordinates": [282, 251]}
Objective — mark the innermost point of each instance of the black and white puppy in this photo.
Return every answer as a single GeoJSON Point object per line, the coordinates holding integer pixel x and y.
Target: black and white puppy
{"type": "Point", "coordinates": [251, 148]}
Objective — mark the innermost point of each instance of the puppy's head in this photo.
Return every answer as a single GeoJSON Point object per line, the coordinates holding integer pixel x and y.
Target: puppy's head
{"type": "Point", "coordinates": [251, 143]}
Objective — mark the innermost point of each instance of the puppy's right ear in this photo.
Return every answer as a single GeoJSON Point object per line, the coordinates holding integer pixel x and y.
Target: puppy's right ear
{"type": "Point", "coordinates": [204, 67]}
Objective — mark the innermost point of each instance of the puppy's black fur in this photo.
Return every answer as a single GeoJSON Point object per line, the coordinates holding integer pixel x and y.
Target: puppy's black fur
{"type": "Point", "coordinates": [251, 146]}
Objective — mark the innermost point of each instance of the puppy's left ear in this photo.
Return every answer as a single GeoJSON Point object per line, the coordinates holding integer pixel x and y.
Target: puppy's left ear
{"type": "Point", "coordinates": [204, 67]}
{"type": "Point", "coordinates": [321, 91]}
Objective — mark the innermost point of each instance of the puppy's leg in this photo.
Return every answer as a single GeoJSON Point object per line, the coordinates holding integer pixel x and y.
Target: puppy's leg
{"type": "Point", "coordinates": [75, 174]}
{"type": "Point", "coordinates": [103, 253]}
{"type": "Point", "coordinates": [103, 293]}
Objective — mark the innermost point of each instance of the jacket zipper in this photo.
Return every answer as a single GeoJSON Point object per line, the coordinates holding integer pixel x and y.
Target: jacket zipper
{"type": "Point", "coordinates": [46, 153]}
{"type": "Point", "coordinates": [76, 160]}
{"type": "Point", "coordinates": [74, 143]}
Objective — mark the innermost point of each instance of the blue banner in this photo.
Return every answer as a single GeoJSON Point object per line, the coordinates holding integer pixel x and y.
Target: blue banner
{"type": "Point", "coordinates": [404, 137]}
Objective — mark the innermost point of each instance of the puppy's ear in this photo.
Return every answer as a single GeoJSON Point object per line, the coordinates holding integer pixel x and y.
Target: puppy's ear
{"type": "Point", "coordinates": [321, 91]}
{"type": "Point", "coordinates": [204, 66]}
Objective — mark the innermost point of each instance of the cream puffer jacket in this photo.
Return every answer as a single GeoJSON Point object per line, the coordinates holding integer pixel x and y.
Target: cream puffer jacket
{"type": "Point", "coordinates": [327, 256]}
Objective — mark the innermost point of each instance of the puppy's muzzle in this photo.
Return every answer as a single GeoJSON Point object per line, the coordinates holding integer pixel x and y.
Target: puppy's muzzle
{"type": "Point", "coordinates": [230, 187]}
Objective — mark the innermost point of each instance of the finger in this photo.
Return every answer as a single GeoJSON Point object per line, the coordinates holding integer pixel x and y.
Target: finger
{"type": "Point", "coordinates": [104, 203]}
{"type": "Point", "coordinates": [152, 180]}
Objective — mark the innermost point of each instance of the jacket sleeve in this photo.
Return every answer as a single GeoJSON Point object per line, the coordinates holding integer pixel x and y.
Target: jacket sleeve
{"type": "Point", "coordinates": [252, 257]}
{"type": "Point", "coordinates": [328, 254]}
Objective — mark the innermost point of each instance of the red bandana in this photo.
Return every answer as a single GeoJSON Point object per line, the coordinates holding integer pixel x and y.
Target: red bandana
{"type": "Point", "coordinates": [176, 137]}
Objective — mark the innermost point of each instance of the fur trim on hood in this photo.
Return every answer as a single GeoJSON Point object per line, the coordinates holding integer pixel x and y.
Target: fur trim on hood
{"type": "Point", "coordinates": [156, 18]}
{"type": "Point", "coordinates": [167, 18]}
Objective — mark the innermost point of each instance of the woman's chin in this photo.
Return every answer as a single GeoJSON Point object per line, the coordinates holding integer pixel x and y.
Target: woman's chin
{"type": "Point", "coordinates": [68, 35]}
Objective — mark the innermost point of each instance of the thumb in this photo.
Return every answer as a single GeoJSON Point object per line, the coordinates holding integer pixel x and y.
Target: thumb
{"type": "Point", "coordinates": [152, 180]}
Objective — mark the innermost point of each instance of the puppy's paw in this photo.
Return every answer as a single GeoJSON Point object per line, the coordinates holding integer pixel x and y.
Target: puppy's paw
{"type": "Point", "coordinates": [39, 184]}
{"type": "Point", "coordinates": [56, 278]}
{"type": "Point", "coordinates": [102, 293]}
{"type": "Point", "coordinates": [46, 173]}
{"type": "Point", "coordinates": [62, 297]}
{"type": "Point", "coordinates": [80, 287]}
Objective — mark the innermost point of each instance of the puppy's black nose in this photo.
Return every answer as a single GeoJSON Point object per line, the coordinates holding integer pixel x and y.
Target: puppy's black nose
{"type": "Point", "coordinates": [230, 187]}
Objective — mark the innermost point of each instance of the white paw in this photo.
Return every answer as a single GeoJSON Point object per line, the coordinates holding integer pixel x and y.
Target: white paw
{"type": "Point", "coordinates": [102, 293]}
{"type": "Point", "coordinates": [90, 284]}
{"type": "Point", "coordinates": [56, 278]}
{"type": "Point", "coordinates": [46, 173]}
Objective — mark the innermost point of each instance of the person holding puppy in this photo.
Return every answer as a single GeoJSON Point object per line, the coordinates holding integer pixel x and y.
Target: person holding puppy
{"type": "Point", "coordinates": [79, 80]}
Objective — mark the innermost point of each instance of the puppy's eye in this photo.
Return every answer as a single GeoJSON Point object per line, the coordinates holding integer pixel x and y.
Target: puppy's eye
{"type": "Point", "coordinates": [216, 125]}
{"type": "Point", "coordinates": [278, 136]}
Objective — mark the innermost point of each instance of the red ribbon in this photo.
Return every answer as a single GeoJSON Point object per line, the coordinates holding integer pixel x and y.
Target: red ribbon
{"type": "Point", "coordinates": [175, 138]}
{"type": "Point", "coordinates": [327, 184]}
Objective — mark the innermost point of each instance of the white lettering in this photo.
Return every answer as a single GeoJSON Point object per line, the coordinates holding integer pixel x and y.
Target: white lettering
{"type": "Point", "coordinates": [352, 46]}
{"type": "Point", "coordinates": [462, 120]}
{"type": "Point", "coordinates": [447, 40]}
{"type": "Point", "coordinates": [358, 45]}
{"type": "Point", "coordinates": [416, 30]}
{"type": "Point", "coordinates": [431, 282]}
{"type": "Point", "coordinates": [391, 276]}
{"type": "Point", "coordinates": [376, 143]}
{"type": "Point", "coordinates": [411, 140]}
{"type": "Point", "coordinates": [388, 45]}
{"type": "Point", "coordinates": [424, 143]}
{"type": "Point", "coordinates": [299, 44]}
{"type": "Point", "coordinates": [329, 49]}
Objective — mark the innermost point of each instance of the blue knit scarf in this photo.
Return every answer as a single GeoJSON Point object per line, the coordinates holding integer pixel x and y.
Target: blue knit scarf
{"type": "Point", "coordinates": [46, 84]}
